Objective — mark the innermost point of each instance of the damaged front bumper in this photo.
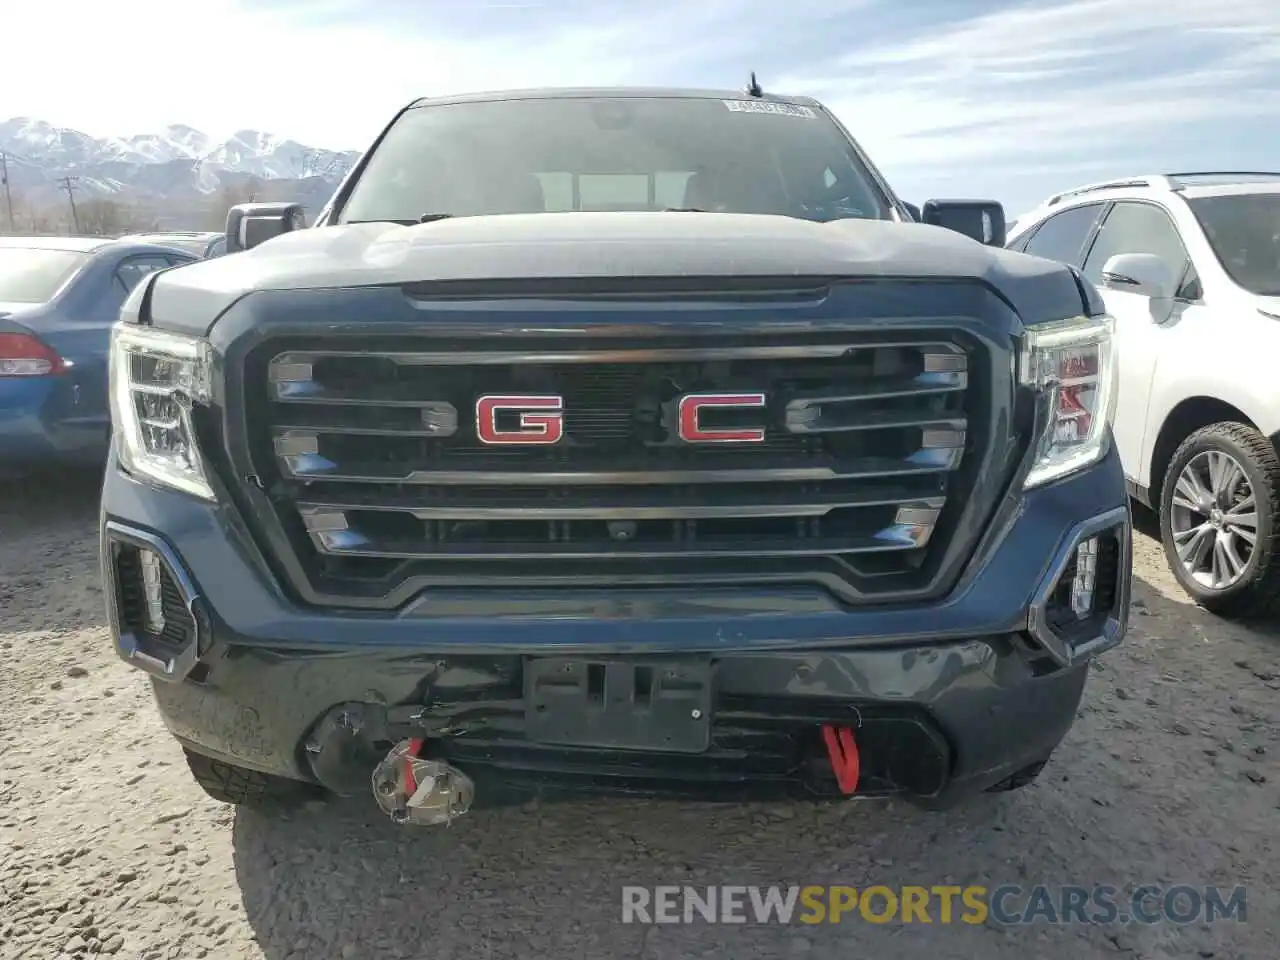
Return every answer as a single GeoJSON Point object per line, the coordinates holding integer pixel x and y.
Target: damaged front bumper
{"type": "Point", "coordinates": [942, 700]}
{"type": "Point", "coordinates": [926, 722]}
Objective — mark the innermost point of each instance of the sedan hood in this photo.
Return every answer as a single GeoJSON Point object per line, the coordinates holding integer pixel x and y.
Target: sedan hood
{"type": "Point", "coordinates": [1269, 306]}
{"type": "Point", "coordinates": [593, 245]}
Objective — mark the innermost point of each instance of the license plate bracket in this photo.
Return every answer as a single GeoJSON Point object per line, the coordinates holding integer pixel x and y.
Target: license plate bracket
{"type": "Point", "coordinates": [655, 704]}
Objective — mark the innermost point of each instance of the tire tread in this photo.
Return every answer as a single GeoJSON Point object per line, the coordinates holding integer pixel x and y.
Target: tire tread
{"type": "Point", "coordinates": [228, 783]}
{"type": "Point", "coordinates": [1019, 779]}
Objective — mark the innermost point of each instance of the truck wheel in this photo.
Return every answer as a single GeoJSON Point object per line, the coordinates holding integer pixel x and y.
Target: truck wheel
{"type": "Point", "coordinates": [228, 783]}
{"type": "Point", "coordinates": [1218, 520]}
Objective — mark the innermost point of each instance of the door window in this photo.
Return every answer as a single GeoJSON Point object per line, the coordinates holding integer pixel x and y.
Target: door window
{"type": "Point", "coordinates": [133, 269]}
{"type": "Point", "coordinates": [1062, 237]}
{"type": "Point", "coordinates": [1191, 289]}
{"type": "Point", "coordinates": [1136, 228]}
{"type": "Point", "coordinates": [1021, 243]}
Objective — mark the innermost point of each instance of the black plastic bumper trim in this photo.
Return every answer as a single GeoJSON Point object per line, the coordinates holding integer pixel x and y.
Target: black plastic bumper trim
{"type": "Point", "coordinates": [177, 667]}
{"type": "Point", "coordinates": [1114, 627]}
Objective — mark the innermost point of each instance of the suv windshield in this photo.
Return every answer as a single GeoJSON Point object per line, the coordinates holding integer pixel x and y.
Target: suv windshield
{"type": "Point", "coordinates": [32, 275]}
{"type": "Point", "coordinates": [581, 154]}
{"type": "Point", "coordinates": [1244, 231]}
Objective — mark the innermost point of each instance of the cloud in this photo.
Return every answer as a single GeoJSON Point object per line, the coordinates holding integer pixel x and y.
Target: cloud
{"type": "Point", "coordinates": [1076, 85]}
{"type": "Point", "coordinates": [333, 71]}
{"type": "Point", "coordinates": [1016, 99]}
{"type": "Point", "coordinates": [1026, 97]}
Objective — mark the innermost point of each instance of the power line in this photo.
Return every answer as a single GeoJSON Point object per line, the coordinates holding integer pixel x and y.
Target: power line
{"type": "Point", "coordinates": [8, 196]}
{"type": "Point", "coordinates": [66, 185]}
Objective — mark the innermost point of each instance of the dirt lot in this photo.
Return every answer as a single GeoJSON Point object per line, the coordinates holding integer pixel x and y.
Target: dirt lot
{"type": "Point", "coordinates": [106, 846]}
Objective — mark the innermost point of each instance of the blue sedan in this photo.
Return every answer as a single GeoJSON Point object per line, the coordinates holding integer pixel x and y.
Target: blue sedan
{"type": "Point", "coordinates": [59, 297]}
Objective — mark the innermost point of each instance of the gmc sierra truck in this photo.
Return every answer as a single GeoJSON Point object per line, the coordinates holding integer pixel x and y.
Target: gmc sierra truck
{"type": "Point", "coordinates": [620, 440]}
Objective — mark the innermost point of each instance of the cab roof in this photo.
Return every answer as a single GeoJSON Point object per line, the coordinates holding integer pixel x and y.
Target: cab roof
{"type": "Point", "coordinates": [611, 93]}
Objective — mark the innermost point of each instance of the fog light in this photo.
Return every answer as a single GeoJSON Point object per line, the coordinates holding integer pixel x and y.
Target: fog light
{"type": "Point", "coordinates": [1086, 578]}
{"type": "Point", "coordinates": [153, 617]}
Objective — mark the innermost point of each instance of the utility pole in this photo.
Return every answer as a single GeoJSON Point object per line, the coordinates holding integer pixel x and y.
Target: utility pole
{"type": "Point", "coordinates": [8, 196]}
{"type": "Point", "coordinates": [66, 185]}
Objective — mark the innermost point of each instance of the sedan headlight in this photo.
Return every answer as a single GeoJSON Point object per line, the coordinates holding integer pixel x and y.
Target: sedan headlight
{"type": "Point", "coordinates": [1071, 364]}
{"type": "Point", "coordinates": [155, 379]}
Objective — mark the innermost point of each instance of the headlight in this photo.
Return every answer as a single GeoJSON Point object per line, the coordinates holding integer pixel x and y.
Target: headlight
{"type": "Point", "coordinates": [1071, 365]}
{"type": "Point", "coordinates": [155, 378]}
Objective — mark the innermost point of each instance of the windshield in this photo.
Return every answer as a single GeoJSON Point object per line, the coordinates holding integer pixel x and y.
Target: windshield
{"type": "Point", "coordinates": [1244, 232]}
{"type": "Point", "coordinates": [580, 154]}
{"type": "Point", "coordinates": [34, 276]}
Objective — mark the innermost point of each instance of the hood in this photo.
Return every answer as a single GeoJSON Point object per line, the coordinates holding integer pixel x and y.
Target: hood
{"type": "Point", "coordinates": [591, 245]}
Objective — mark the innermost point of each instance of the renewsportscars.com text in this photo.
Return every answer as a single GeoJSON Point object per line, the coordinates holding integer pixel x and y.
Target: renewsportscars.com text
{"type": "Point", "coordinates": [1006, 905]}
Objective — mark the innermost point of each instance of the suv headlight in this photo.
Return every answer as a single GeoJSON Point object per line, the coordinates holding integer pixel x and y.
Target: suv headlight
{"type": "Point", "coordinates": [155, 378]}
{"type": "Point", "coordinates": [1071, 364]}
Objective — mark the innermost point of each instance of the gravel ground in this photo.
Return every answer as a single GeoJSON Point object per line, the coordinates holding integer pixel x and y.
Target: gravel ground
{"type": "Point", "coordinates": [106, 845]}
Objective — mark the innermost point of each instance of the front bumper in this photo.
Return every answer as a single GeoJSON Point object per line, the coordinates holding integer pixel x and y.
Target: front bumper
{"type": "Point", "coordinates": [945, 699]}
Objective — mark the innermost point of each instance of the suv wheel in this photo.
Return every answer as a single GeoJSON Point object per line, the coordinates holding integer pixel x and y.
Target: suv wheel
{"type": "Point", "coordinates": [228, 783]}
{"type": "Point", "coordinates": [1218, 520]}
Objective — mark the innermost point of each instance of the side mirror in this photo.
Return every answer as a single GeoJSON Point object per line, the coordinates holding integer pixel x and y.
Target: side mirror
{"type": "Point", "coordinates": [249, 224]}
{"type": "Point", "coordinates": [1141, 273]}
{"type": "Point", "coordinates": [981, 220]}
{"type": "Point", "coordinates": [913, 210]}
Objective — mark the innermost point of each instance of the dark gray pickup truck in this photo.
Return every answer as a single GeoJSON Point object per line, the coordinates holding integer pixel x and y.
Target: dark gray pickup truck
{"type": "Point", "coordinates": [632, 441]}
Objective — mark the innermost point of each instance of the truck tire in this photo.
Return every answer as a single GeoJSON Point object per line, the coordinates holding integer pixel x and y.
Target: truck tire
{"type": "Point", "coordinates": [1019, 779]}
{"type": "Point", "coordinates": [1224, 469]}
{"type": "Point", "coordinates": [950, 801]}
{"type": "Point", "coordinates": [228, 783]}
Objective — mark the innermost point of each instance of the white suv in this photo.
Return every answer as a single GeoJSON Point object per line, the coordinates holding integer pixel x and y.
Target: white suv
{"type": "Point", "coordinates": [1189, 266]}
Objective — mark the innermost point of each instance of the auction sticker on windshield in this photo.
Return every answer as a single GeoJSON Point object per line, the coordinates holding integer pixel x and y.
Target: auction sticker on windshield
{"type": "Point", "coordinates": [769, 106]}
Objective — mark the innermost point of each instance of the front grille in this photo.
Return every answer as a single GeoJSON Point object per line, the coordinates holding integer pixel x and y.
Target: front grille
{"type": "Point", "coordinates": [373, 461]}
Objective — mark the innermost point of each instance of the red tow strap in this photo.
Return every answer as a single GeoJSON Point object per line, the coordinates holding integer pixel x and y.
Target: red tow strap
{"type": "Point", "coordinates": [843, 752]}
{"type": "Point", "coordinates": [411, 781]}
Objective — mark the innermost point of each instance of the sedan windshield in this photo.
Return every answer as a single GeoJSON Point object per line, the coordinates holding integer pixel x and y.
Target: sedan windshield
{"type": "Point", "coordinates": [33, 275]}
{"type": "Point", "coordinates": [1244, 231]}
{"type": "Point", "coordinates": [583, 154]}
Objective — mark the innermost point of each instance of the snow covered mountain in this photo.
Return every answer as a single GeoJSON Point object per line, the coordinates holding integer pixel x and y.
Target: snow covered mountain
{"type": "Point", "coordinates": [176, 165]}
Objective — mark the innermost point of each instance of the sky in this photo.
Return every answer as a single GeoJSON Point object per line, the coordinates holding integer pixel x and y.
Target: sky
{"type": "Point", "coordinates": [1002, 99]}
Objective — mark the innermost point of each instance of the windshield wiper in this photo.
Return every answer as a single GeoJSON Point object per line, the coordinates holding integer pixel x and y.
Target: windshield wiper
{"type": "Point", "coordinates": [425, 218]}
{"type": "Point", "coordinates": [684, 210]}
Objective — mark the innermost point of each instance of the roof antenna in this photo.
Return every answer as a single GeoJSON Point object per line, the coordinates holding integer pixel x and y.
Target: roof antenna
{"type": "Point", "coordinates": [753, 87]}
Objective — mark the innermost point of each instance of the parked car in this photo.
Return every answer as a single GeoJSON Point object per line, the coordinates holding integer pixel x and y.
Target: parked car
{"type": "Point", "coordinates": [59, 297]}
{"type": "Point", "coordinates": [1189, 266]}
{"type": "Point", "coordinates": [204, 244]}
{"type": "Point", "coordinates": [617, 440]}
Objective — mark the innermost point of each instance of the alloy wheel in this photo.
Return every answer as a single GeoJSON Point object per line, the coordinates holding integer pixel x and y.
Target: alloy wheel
{"type": "Point", "coordinates": [1214, 519]}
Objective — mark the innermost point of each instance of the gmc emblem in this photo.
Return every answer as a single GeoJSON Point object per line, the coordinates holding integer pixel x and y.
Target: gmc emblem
{"type": "Point", "coordinates": [537, 419]}
{"type": "Point", "coordinates": [540, 419]}
{"type": "Point", "coordinates": [692, 405]}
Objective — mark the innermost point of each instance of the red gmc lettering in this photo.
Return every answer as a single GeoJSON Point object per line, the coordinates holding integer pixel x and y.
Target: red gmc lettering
{"type": "Point", "coordinates": [693, 404]}
{"type": "Point", "coordinates": [541, 419]}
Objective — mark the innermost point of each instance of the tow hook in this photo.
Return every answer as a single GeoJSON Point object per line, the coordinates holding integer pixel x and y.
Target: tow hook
{"type": "Point", "coordinates": [414, 790]}
{"type": "Point", "coordinates": [842, 750]}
